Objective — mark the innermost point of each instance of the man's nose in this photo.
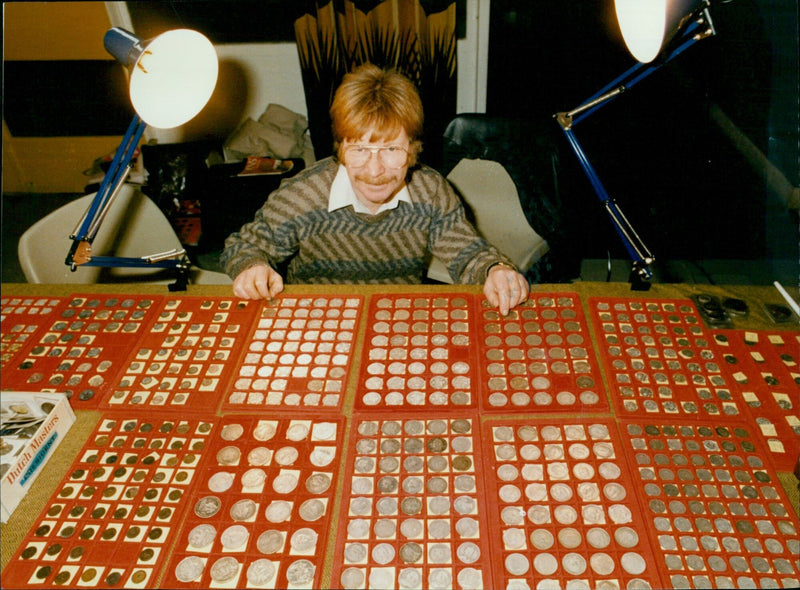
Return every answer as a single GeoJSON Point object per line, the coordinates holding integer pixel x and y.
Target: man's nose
{"type": "Point", "coordinates": [375, 163]}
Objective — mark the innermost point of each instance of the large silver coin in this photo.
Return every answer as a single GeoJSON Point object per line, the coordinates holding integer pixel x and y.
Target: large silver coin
{"type": "Point", "coordinates": [234, 537]}
{"type": "Point", "coordinates": [189, 569]}
{"type": "Point", "coordinates": [207, 507]}
{"type": "Point", "coordinates": [259, 456]}
{"type": "Point", "coordinates": [301, 572]}
{"type": "Point", "coordinates": [254, 478]}
{"type": "Point", "coordinates": [284, 483]}
{"type": "Point", "coordinates": [220, 481]}
{"type": "Point", "coordinates": [304, 539]}
{"type": "Point", "coordinates": [312, 510]}
{"type": "Point", "coordinates": [352, 577]}
{"type": "Point", "coordinates": [264, 431]}
{"type": "Point", "coordinates": [228, 455]}
{"type": "Point", "coordinates": [202, 535]}
{"type": "Point", "coordinates": [224, 569]}
{"type": "Point", "coordinates": [260, 572]}
{"type": "Point", "coordinates": [318, 483]}
{"type": "Point", "coordinates": [269, 542]}
{"type": "Point", "coordinates": [286, 455]}
{"type": "Point", "coordinates": [278, 511]}
{"type": "Point", "coordinates": [243, 510]}
{"type": "Point", "coordinates": [231, 432]}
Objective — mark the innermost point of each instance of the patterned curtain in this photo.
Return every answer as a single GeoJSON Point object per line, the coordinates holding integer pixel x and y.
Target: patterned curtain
{"type": "Point", "coordinates": [416, 37]}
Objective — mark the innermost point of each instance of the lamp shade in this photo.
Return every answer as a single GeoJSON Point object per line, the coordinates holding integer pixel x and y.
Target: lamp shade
{"type": "Point", "coordinates": [647, 26]}
{"type": "Point", "coordinates": [172, 76]}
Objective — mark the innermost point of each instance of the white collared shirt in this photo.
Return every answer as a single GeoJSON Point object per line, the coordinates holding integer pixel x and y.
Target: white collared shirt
{"type": "Point", "coordinates": [342, 195]}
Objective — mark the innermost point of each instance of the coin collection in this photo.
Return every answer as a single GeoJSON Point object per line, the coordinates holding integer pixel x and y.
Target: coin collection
{"type": "Point", "coordinates": [419, 353]}
{"type": "Point", "coordinates": [412, 513]}
{"type": "Point", "coordinates": [764, 365]}
{"type": "Point", "coordinates": [539, 357]}
{"type": "Point", "coordinates": [469, 450]}
{"type": "Point", "coordinates": [299, 354]}
{"type": "Point", "coordinates": [565, 508]}
{"type": "Point", "coordinates": [82, 348]}
{"type": "Point", "coordinates": [21, 318]}
{"type": "Point", "coordinates": [718, 515]}
{"type": "Point", "coordinates": [187, 355]}
{"type": "Point", "coordinates": [660, 360]}
{"type": "Point", "coordinates": [115, 515]}
{"type": "Point", "coordinates": [261, 508]}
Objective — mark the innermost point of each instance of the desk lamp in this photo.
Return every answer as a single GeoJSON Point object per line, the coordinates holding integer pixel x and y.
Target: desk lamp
{"type": "Point", "coordinates": [171, 79]}
{"type": "Point", "coordinates": [655, 32]}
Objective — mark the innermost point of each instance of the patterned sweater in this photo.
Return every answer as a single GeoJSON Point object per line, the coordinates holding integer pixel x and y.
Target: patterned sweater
{"type": "Point", "coordinates": [343, 246]}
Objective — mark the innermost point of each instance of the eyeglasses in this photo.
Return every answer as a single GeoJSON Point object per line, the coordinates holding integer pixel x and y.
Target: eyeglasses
{"type": "Point", "coordinates": [391, 156]}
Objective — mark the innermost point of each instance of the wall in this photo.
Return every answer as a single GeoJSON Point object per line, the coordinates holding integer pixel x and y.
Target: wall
{"type": "Point", "coordinates": [52, 31]}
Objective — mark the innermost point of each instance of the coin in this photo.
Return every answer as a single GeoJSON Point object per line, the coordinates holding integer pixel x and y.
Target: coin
{"type": "Point", "coordinates": [545, 563]}
{"type": "Point", "coordinates": [224, 569]}
{"type": "Point", "coordinates": [231, 432]}
{"type": "Point", "coordinates": [259, 456]}
{"type": "Point", "coordinates": [228, 455]}
{"type": "Point", "coordinates": [312, 510]}
{"type": "Point", "coordinates": [234, 537]}
{"type": "Point", "coordinates": [264, 431]}
{"type": "Point", "coordinates": [286, 455]}
{"type": "Point", "coordinates": [260, 572]}
{"type": "Point", "coordinates": [243, 510]}
{"type": "Point", "coordinates": [207, 506]}
{"type": "Point", "coordinates": [633, 563]}
{"type": "Point", "coordinates": [270, 541]}
{"type": "Point", "coordinates": [318, 483]}
{"type": "Point", "coordinates": [254, 478]}
{"type": "Point", "coordinates": [189, 569]}
{"type": "Point", "coordinates": [221, 481]}
{"type": "Point", "coordinates": [300, 572]}
{"type": "Point", "coordinates": [352, 577]}
{"type": "Point", "coordinates": [304, 539]}
{"type": "Point", "coordinates": [278, 511]}
{"type": "Point", "coordinates": [202, 535]}
{"type": "Point", "coordinates": [517, 564]}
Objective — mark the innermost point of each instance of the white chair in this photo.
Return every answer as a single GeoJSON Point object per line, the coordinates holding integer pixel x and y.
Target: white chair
{"type": "Point", "coordinates": [133, 227]}
{"type": "Point", "coordinates": [490, 193]}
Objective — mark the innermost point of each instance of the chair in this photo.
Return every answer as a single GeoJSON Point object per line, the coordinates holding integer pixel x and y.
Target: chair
{"type": "Point", "coordinates": [133, 227]}
{"type": "Point", "coordinates": [494, 206]}
{"type": "Point", "coordinates": [509, 174]}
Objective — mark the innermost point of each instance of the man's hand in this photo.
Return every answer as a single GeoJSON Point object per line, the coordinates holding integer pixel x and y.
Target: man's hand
{"type": "Point", "coordinates": [505, 288]}
{"type": "Point", "coordinates": [258, 282]}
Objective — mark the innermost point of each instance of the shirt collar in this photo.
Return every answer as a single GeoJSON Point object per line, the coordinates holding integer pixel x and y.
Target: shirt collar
{"type": "Point", "coordinates": [342, 195]}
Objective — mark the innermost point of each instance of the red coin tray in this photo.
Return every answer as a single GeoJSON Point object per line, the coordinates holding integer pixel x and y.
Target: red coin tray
{"type": "Point", "coordinates": [764, 366]}
{"type": "Point", "coordinates": [187, 356]}
{"type": "Point", "coordinates": [21, 318]}
{"type": "Point", "coordinates": [539, 357]}
{"type": "Point", "coordinates": [718, 515]}
{"type": "Point", "coordinates": [261, 508]}
{"type": "Point", "coordinates": [660, 360]}
{"type": "Point", "coordinates": [83, 347]}
{"type": "Point", "coordinates": [564, 506]}
{"type": "Point", "coordinates": [113, 519]}
{"type": "Point", "coordinates": [419, 353]}
{"type": "Point", "coordinates": [413, 512]}
{"type": "Point", "coordinates": [298, 354]}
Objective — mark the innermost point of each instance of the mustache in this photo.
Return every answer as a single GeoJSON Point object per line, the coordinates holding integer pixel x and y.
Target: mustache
{"type": "Point", "coordinates": [382, 179]}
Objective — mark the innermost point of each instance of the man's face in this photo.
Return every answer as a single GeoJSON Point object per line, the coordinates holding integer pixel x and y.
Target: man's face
{"type": "Point", "coordinates": [377, 179]}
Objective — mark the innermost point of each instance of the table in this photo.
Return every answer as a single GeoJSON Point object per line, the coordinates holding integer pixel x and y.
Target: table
{"type": "Point", "coordinates": [414, 438]}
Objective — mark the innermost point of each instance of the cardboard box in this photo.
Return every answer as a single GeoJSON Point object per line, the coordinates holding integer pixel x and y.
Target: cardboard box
{"type": "Point", "coordinates": [23, 457]}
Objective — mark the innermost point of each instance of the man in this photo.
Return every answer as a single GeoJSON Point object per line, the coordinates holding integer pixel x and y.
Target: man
{"type": "Point", "coordinates": [371, 213]}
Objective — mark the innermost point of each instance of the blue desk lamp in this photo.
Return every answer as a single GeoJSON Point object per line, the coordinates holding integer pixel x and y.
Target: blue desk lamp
{"type": "Point", "coordinates": [655, 32]}
{"type": "Point", "coordinates": [171, 79]}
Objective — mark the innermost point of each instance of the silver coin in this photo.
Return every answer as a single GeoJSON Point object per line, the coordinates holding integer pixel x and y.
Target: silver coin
{"type": "Point", "coordinates": [297, 432]}
{"type": "Point", "coordinates": [207, 507]}
{"type": "Point", "coordinates": [318, 483]}
{"type": "Point", "coordinates": [243, 510]}
{"type": "Point", "coordinates": [468, 552]}
{"type": "Point", "coordinates": [626, 537]}
{"type": "Point", "coordinates": [598, 538]}
{"type": "Point", "coordinates": [264, 431]}
{"type": "Point", "coordinates": [260, 572]}
{"type": "Point", "coordinates": [312, 510]}
{"type": "Point", "coordinates": [514, 538]}
{"type": "Point", "coordinates": [189, 569]}
{"type": "Point", "coordinates": [221, 481]}
{"type": "Point", "coordinates": [269, 542]}
{"type": "Point", "coordinates": [259, 456]}
{"type": "Point", "coordinates": [286, 456]}
{"type": "Point", "coordinates": [470, 578]}
{"type": "Point", "coordinates": [439, 529]}
{"type": "Point", "coordinates": [384, 528]}
{"type": "Point", "coordinates": [409, 577]}
{"type": "Point", "coordinates": [228, 455]}
{"type": "Point", "coordinates": [542, 539]}
{"type": "Point", "coordinates": [569, 537]}
{"type": "Point", "coordinates": [439, 553]}
{"type": "Point", "coordinates": [300, 572]}
{"type": "Point", "coordinates": [278, 511]}
{"type": "Point", "coordinates": [322, 456]}
{"type": "Point", "coordinates": [602, 563]}
{"type": "Point", "coordinates": [254, 478]}
{"type": "Point", "coordinates": [224, 569]}
{"type": "Point", "coordinates": [517, 564]}
{"type": "Point", "coordinates": [352, 577]}
{"type": "Point", "coordinates": [234, 537]}
{"type": "Point", "coordinates": [411, 528]}
{"type": "Point", "coordinates": [467, 527]}
{"type": "Point", "coordinates": [202, 535]}
{"type": "Point", "coordinates": [633, 563]}
{"type": "Point", "coordinates": [285, 483]}
{"type": "Point", "coordinates": [231, 432]}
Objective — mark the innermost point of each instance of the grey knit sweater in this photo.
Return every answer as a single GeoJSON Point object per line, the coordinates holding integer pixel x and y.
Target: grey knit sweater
{"type": "Point", "coordinates": [343, 246]}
